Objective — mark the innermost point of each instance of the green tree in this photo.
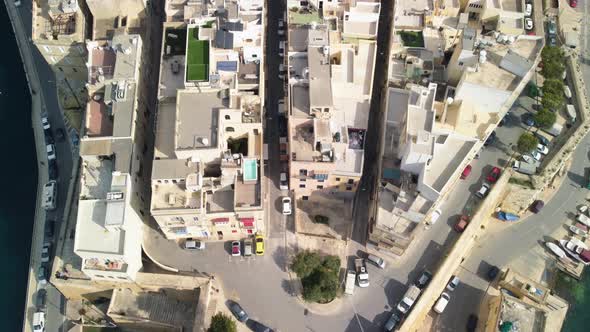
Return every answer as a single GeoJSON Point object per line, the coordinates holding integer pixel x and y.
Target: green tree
{"type": "Point", "coordinates": [320, 286]}
{"type": "Point", "coordinates": [332, 263]}
{"type": "Point", "coordinates": [552, 58]}
{"type": "Point", "coordinates": [552, 101]}
{"type": "Point", "coordinates": [305, 263]}
{"type": "Point", "coordinates": [532, 90]}
{"type": "Point", "coordinates": [552, 86]}
{"type": "Point", "coordinates": [545, 118]}
{"type": "Point", "coordinates": [222, 323]}
{"type": "Point", "coordinates": [526, 142]}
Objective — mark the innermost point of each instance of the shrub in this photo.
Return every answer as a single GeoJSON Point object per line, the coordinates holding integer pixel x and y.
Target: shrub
{"type": "Point", "coordinates": [545, 118]}
{"type": "Point", "coordinates": [305, 263]}
{"type": "Point", "coordinates": [319, 276]}
{"type": "Point", "coordinates": [222, 323]}
{"type": "Point", "coordinates": [526, 142]}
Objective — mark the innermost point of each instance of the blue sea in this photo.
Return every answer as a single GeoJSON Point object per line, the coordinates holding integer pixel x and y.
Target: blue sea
{"type": "Point", "coordinates": [18, 169]}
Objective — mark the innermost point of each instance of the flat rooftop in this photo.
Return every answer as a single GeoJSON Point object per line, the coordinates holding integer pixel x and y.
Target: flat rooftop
{"type": "Point", "coordinates": [449, 153]}
{"type": "Point", "coordinates": [174, 196]}
{"type": "Point", "coordinates": [96, 177]}
{"type": "Point", "coordinates": [98, 122]}
{"type": "Point", "coordinates": [197, 119]}
{"type": "Point", "coordinates": [128, 54]}
{"type": "Point", "coordinates": [165, 129]}
{"type": "Point", "coordinates": [247, 194]}
{"type": "Point", "coordinates": [91, 234]}
{"type": "Point", "coordinates": [420, 109]}
{"type": "Point", "coordinates": [298, 39]}
{"type": "Point", "coordinates": [57, 24]}
{"type": "Point", "coordinates": [221, 200]}
{"type": "Point", "coordinates": [528, 317]}
{"type": "Point", "coordinates": [171, 78]}
{"type": "Point", "coordinates": [320, 88]}
{"type": "Point", "coordinates": [102, 64]}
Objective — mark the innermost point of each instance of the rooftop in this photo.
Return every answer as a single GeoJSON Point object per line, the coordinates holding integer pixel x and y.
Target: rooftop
{"type": "Point", "coordinates": [111, 16]}
{"type": "Point", "coordinates": [197, 119]}
{"type": "Point", "coordinates": [165, 130]}
{"type": "Point", "coordinates": [197, 57]}
{"type": "Point", "coordinates": [99, 122]}
{"type": "Point", "coordinates": [526, 317]}
{"type": "Point", "coordinates": [128, 52]}
{"type": "Point", "coordinates": [449, 153]}
{"type": "Point", "coordinates": [173, 60]}
{"type": "Point", "coordinates": [91, 224]}
{"type": "Point", "coordinates": [304, 16]}
{"type": "Point", "coordinates": [176, 184]}
{"type": "Point", "coordinates": [58, 22]}
{"type": "Point", "coordinates": [247, 194]}
{"type": "Point", "coordinates": [102, 63]}
{"type": "Point", "coordinates": [320, 88]}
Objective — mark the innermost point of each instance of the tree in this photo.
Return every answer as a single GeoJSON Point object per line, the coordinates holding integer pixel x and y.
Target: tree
{"type": "Point", "coordinates": [526, 142]}
{"type": "Point", "coordinates": [222, 323]}
{"type": "Point", "coordinates": [320, 286]}
{"type": "Point", "coordinates": [305, 263]}
{"type": "Point", "coordinates": [553, 86]}
{"type": "Point", "coordinates": [552, 101]}
{"type": "Point", "coordinates": [545, 118]}
{"type": "Point", "coordinates": [552, 58]}
{"type": "Point", "coordinates": [532, 90]}
{"type": "Point", "coordinates": [332, 263]}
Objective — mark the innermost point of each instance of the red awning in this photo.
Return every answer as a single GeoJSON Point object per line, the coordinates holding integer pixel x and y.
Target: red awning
{"type": "Point", "coordinates": [220, 220]}
{"type": "Point", "coordinates": [247, 222]}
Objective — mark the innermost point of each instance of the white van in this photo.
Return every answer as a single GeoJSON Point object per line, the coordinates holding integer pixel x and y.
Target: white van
{"type": "Point", "coordinates": [49, 195]}
{"type": "Point", "coordinates": [39, 322]}
{"type": "Point", "coordinates": [567, 92]}
{"type": "Point", "coordinates": [442, 302]}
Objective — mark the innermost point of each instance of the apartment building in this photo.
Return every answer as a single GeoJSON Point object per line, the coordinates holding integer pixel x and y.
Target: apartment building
{"type": "Point", "coordinates": [207, 170]}
{"type": "Point", "coordinates": [116, 16]}
{"type": "Point", "coordinates": [329, 87]}
{"type": "Point", "coordinates": [438, 119]}
{"type": "Point", "coordinates": [59, 32]}
{"type": "Point", "coordinates": [109, 227]}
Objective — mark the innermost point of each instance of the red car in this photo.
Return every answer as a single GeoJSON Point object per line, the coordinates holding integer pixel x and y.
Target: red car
{"type": "Point", "coordinates": [466, 172]}
{"type": "Point", "coordinates": [574, 3]}
{"type": "Point", "coordinates": [494, 175]}
{"type": "Point", "coordinates": [462, 224]}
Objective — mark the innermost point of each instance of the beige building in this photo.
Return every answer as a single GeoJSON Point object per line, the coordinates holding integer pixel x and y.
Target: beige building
{"type": "Point", "coordinates": [108, 228]}
{"type": "Point", "coordinates": [329, 88]}
{"type": "Point", "coordinates": [111, 16]}
{"type": "Point", "coordinates": [59, 34]}
{"type": "Point", "coordinates": [207, 173]}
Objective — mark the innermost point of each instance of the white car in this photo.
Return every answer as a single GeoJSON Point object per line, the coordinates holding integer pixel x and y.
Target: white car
{"type": "Point", "coordinates": [434, 217]}
{"type": "Point", "coordinates": [453, 283]}
{"type": "Point", "coordinates": [528, 24]}
{"type": "Point", "coordinates": [536, 155]}
{"type": "Point", "coordinates": [483, 191]}
{"type": "Point", "coordinates": [283, 184]}
{"type": "Point", "coordinates": [50, 152]}
{"type": "Point", "coordinates": [45, 122]}
{"type": "Point", "coordinates": [281, 32]}
{"type": "Point", "coordinates": [442, 302]}
{"type": "Point", "coordinates": [39, 321]}
{"type": "Point", "coordinates": [528, 159]}
{"type": "Point", "coordinates": [528, 9]}
{"type": "Point", "coordinates": [281, 23]}
{"type": "Point", "coordinates": [286, 206]}
{"type": "Point", "coordinates": [542, 149]}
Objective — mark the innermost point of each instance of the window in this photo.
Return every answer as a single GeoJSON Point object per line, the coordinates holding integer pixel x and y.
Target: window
{"type": "Point", "coordinates": [122, 278]}
{"type": "Point", "coordinates": [99, 276]}
{"type": "Point", "coordinates": [227, 117]}
{"type": "Point", "coordinates": [61, 49]}
{"type": "Point", "coordinates": [337, 179]}
{"type": "Point", "coordinates": [350, 181]}
{"type": "Point", "coordinates": [321, 180]}
{"type": "Point", "coordinates": [234, 230]}
{"type": "Point", "coordinates": [60, 68]}
{"type": "Point", "coordinates": [461, 63]}
{"type": "Point", "coordinates": [47, 49]}
{"type": "Point", "coordinates": [250, 231]}
{"type": "Point", "coordinates": [320, 187]}
{"type": "Point", "coordinates": [302, 172]}
{"type": "Point", "coordinates": [302, 180]}
{"type": "Point", "coordinates": [348, 188]}
{"type": "Point", "coordinates": [302, 185]}
{"type": "Point", "coordinates": [304, 198]}
{"type": "Point", "coordinates": [229, 129]}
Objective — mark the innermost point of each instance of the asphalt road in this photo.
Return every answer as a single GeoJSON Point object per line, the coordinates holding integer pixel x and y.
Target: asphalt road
{"type": "Point", "coordinates": [55, 301]}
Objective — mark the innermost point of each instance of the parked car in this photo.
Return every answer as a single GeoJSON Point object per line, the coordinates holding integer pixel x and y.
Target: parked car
{"type": "Point", "coordinates": [536, 156]}
{"type": "Point", "coordinates": [434, 217]}
{"type": "Point", "coordinates": [442, 302]}
{"type": "Point", "coordinates": [528, 24]}
{"type": "Point", "coordinates": [542, 139]}
{"type": "Point", "coordinates": [543, 149]}
{"type": "Point", "coordinates": [466, 172]}
{"type": "Point", "coordinates": [483, 191]}
{"type": "Point", "coordinates": [41, 298]}
{"type": "Point", "coordinates": [281, 23]}
{"type": "Point", "coordinates": [472, 323]}
{"type": "Point", "coordinates": [392, 322]}
{"type": "Point", "coordinates": [528, 9]}
{"type": "Point", "coordinates": [238, 311]}
{"type": "Point", "coordinates": [50, 151]}
{"type": "Point", "coordinates": [60, 134]}
{"type": "Point", "coordinates": [491, 139]}
{"type": "Point", "coordinates": [462, 224]}
{"type": "Point", "coordinates": [39, 321]}
{"type": "Point", "coordinates": [537, 206]}
{"type": "Point", "coordinates": [493, 273]}
{"type": "Point", "coordinates": [42, 275]}
{"type": "Point", "coordinates": [49, 228]}
{"type": "Point", "coordinates": [528, 120]}
{"type": "Point", "coordinates": [573, 3]}
{"type": "Point", "coordinates": [286, 206]}
{"type": "Point", "coordinates": [45, 123]}
{"type": "Point", "coordinates": [259, 245]}
{"type": "Point", "coordinates": [257, 326]}
{"type": "Point", "coordinates": [376, 260]}
{"type": "Point", "coordinates": [528, 158]}
{"type": "Point", "coordinates": [46, 253]}
{"type": "Point", "coordinates": [191, 244]}
{"type": "Point", "coordinates": [551, 28]}
{"type": "Point", "coordinates": [453, 283]}
{"type": "Point", "coordinates": [494, 175]}
{"type": "Point", "coordinates": [423, 280]}
{"type": "Point", "coordinates": [283, 184]}
{"type": "Point", "coordinates": [235, 248]}
{"type": "Point", "coordinates": [248, 247]}
{"type": "Point", "coordinates": [53, 170]}
{"type": "Point", "coordinates": [552, 41]}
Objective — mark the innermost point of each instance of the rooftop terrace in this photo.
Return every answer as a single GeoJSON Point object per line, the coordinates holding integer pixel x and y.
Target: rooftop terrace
{"type": "Point", "coordinates": [99, 123]}
{"type": "Point", "coordinates": [197, 57]}
{"type": "Point", "coordinates": [102, 64]}
{"type": "Point", "coordinates": [197, 119]}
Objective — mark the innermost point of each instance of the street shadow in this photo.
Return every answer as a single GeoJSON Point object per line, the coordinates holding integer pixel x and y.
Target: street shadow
{"type": "Point", "coordinates": [465, 300]}
{"type": "Point", "coordinates": [290, 286]}
{"type": "Point", "coordinates": [580, 180]}
{"type": "Point", "coordinates": [359, 323]}
{"type": "Point", "coordinates": [483, 268]}
{"type": "Point", "coordinates": [394, 291]}
{"type": "Point", "coordinates": [504, 162]}
{"type": "Point", "coordinates": [280, 258]}
{"type": "Point", "coordinates": [571, 215]}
